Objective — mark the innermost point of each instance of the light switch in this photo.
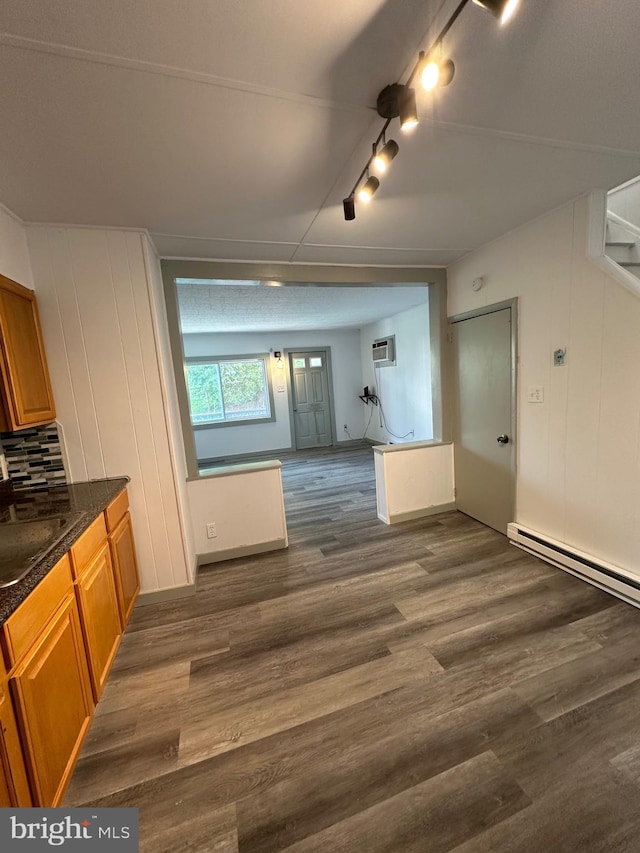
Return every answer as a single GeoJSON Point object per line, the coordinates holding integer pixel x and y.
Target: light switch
{"type": "Point", "coordinates": [535, 394]}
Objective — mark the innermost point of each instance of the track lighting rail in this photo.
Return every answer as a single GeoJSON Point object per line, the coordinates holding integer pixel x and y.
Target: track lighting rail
{"type": "Point", "coordinates": [398, 99]}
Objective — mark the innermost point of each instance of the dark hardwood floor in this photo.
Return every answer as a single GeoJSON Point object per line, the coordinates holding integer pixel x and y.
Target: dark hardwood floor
{"type": "Point", "coordinates": [420, 687]}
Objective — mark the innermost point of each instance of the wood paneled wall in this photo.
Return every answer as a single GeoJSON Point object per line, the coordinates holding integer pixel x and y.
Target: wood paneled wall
{"type": "Point", "coordinates": [93, 291]}
{"type": "Point", "coordinates": [579, 451]}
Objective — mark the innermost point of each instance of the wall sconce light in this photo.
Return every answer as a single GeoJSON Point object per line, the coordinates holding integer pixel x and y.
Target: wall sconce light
{"type": "Point", "coordinates": [398, 100]}
{"type": "Point", "coordinates": [279, 361]}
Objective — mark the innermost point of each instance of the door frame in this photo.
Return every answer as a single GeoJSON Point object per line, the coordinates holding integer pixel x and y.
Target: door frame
{"type": "Point", "coordinates": [290, 390]}
{"type": "Point", "coordinates": [512, 304]}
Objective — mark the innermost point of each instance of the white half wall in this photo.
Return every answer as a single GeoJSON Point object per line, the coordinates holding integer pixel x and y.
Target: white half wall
{"type": "Point", "coordinates": [578, 452]}
{"type": "Point", "coordinates": [347, 384]}
{"type": "Point", "coordinates": [404, 388]}
{"type": "Point", "coordinates": [14, 252]}
{"type": "Point", "coordinates": [94, 297]}
{"type": "Point", "coordinates": [246, 504]}
{"type": "Point", "coordinates": [413, 480]}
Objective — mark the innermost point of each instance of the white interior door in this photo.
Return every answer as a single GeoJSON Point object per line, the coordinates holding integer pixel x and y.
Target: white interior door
{"type": "Point", "coordinates": [310, 397]}
{"type": "Point", "coordinates": [483, 441]}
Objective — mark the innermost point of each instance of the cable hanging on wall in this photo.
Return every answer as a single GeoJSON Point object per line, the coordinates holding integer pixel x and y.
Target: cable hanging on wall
{"type": "Point", "coordinates": [398, 100]}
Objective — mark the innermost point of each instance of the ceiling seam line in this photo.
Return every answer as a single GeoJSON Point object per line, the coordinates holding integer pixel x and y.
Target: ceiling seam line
{"type": "Point", "coordinates": [146, 66]}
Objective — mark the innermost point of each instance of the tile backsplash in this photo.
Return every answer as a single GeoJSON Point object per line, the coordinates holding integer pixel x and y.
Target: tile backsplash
{"type": "Point", "coordinates": [34, 457]}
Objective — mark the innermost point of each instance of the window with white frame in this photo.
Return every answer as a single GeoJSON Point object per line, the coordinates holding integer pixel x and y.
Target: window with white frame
{"type": "Point", "coordinates": [229, 390]}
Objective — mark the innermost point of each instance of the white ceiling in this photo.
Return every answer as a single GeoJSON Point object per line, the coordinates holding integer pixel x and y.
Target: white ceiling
{"type": "Point", "coordinates": [243, 308]}
{"type": "Point", "coordinates": [233, 129]}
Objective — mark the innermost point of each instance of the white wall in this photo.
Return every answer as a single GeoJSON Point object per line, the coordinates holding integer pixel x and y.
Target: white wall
{"type": "Point", "coordinates": [14, 253]}
{"type": "Point", "coordinates": [347, 384]}
{"type": "Point", "coordinates": [578, 453]}
{"type": "Point", "coordinates": [626, 202]}
{"type": "Point", "coordinates": [172, 410]}
{"type": "Point", "coordinates": [405, 389]}
{"type": "Point", "coordinates": [94, 297]}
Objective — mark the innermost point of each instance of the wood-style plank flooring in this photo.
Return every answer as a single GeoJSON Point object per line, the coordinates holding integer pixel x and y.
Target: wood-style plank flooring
{"type": "Point", "coordinates": [420, 687]}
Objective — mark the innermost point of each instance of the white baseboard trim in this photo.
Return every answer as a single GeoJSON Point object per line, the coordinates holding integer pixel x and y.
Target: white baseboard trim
{"type": "Point", "coordinates": [612, 579]}
{"type": "Point", "coordinates": [423, 512]}
{"type": "Point", "coordinates": [167, 594]}
{"type": "Point", "coordinates": [245, 551]}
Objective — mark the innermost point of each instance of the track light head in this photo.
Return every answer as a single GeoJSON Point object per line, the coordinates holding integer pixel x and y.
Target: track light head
{"type": "Point", "coordinates": [408, 110]}
{"type": "Point", "coordinates": [398, 100]}
{"type": "Point", "coordinates": [436, 73]}
{"type": "Point", "coordinates": [382, 158]}
{"type": "Point", "coordinates": [368, 189]}
{"type": "Point", "coordinates": [349, 207]}
{"type": "Point", "coordinates": [503, 10]}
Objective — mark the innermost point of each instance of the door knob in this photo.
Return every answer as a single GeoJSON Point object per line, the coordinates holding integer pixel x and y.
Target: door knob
{"type": "Point", "coordinates": [503, 439]}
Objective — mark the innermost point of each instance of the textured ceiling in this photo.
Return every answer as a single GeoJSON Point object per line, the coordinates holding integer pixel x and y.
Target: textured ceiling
{"type": "Point", "coordinates": [242, 308]}
{"type": "Point", "coordinates": [233, 129]}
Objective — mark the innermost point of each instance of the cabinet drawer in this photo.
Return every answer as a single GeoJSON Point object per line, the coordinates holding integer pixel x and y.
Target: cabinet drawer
{"type": "Point", "coordinates": [91, 540]}
{"type": "Point", "coordinates": [24, 625]}
{"type": "Point", "coordinates": [116, 510]}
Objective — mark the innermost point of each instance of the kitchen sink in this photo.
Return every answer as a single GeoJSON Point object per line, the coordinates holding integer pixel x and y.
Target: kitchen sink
{"type": "Point", "coordinates": [24, 543]}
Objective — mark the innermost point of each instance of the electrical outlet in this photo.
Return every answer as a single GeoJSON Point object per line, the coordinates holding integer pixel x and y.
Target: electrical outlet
{"type": "Point", "coordinates": [560, 357]}
{"type": "Point", "coordinates": [535, 394]}
{"type": "Point", "coordinates": [211, 530]}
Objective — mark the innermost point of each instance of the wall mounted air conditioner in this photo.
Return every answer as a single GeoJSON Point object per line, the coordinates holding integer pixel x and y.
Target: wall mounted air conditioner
{"type": "Point", "coordinates": [384, 351]}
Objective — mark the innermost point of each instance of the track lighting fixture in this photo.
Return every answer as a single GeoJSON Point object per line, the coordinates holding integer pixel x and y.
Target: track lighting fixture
{"type": "Point", "coordinates": [436, 73]}
{"type": "Point", "coordinates": [408, 110]}
{"type": "Point", "coordinates": [501, 9]}
{"type": "Point", "coordinates": [349, 206]}
{"type": "Point", "coordinates": [381, 159]}
{"type": "Point", "coordinates": [368, 189]}
{"type": "Point", "coordinates": [398, 100]}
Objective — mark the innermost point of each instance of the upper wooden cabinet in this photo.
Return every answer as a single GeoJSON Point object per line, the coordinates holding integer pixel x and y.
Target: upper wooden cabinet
{"type": "Point", "coordinates": [25, 389]}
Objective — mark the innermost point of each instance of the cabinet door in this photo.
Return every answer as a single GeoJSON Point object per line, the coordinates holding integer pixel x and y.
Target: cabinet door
{"type": "Point", "coordinates": [14, 788]}
{"type": "Point", "coordinates": [100, 618]}
{"type": "Point", "coordinates": [125, 567]}
{"type": "Point", "coordinates": [53, 704]}
{"type": "Point", "coordinates": [26, 389]}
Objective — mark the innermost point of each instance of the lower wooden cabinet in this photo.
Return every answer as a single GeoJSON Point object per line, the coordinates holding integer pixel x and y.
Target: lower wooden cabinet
{"type": "Point", "coordinates": [56, 649]}
{"type": "Point", "coordinates": [53, 703]}
{"type": "Point", "coordinates": [14, 788]}
{"type": "Point", "coordinates": [125, 567]}
{"type": "Point", "coordinates": [100, 617]}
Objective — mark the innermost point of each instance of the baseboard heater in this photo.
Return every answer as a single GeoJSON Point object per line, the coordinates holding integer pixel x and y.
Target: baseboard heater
{"type": "Point", "coordinates": [610, 578]}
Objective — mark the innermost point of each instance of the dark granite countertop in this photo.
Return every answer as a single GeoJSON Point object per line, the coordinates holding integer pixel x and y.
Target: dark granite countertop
{"type": "Point", "coordinates": [92, 498]}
